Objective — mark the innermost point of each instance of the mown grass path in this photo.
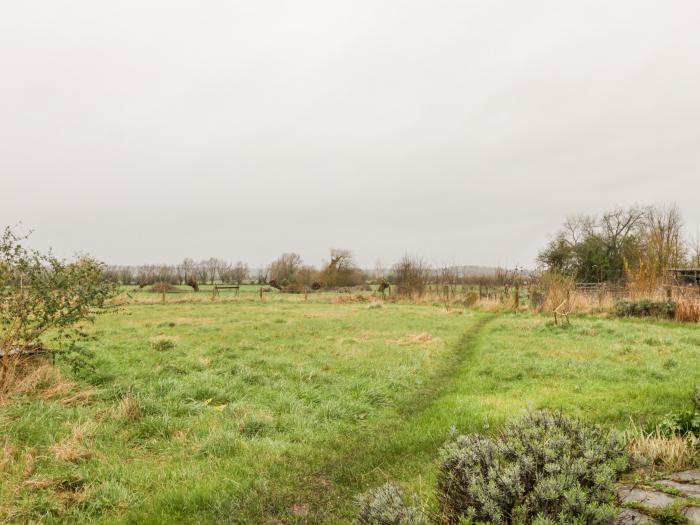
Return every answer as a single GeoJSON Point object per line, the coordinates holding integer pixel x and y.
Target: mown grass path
{"type": "Point", "coordinates": [398, 447]}
{"type": "Point", "coordinates": [606, 371]}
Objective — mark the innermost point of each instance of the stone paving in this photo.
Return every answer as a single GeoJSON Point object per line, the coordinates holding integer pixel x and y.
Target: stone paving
{"type": "Point", "coordinates": [679, 491]}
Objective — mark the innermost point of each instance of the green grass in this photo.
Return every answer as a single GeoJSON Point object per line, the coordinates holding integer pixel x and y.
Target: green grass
{"type": "Point", "coordinates": [282, 411]}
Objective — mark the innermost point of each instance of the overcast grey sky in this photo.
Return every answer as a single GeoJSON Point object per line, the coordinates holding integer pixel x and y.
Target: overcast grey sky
{"type": "Point", "coordinates": [463, 131]}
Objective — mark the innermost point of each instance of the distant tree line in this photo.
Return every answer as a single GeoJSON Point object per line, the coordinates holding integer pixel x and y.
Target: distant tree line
{"type": "Point", "coordinates": [188, 272]}
{"type": "Point", "coordinates": [288, 272]}
{"type": "Point", "coordinates": [609, 247]}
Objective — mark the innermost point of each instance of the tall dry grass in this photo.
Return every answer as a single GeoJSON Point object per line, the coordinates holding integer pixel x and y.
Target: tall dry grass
{"type": "Point", "coordinates": [35, 377]}
{"type": "Point", "coordinates": [6, 454]}
{"type": "Point", "coordinates": [73, 448]}
{"type": "Point", "coordinates": [687, 311]}
{"type": "Point", "coordinates": [658, 451]}
{"type": "Point", "coordinates": [687, 301]}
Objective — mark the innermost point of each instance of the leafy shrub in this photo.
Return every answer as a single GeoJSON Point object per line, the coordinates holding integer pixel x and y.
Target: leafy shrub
{"type": "Point", "coordinates": [386, 506]}
{"type": "Point", "coordinates": [680, 423]}
{"type": "Point", "coordinates": [43, 301]}
{"type": "Point", "coordinates": [162, 343]}
{"type": "Point", "coordinates": [646, 308]}
{"type": "Point", "coordinates": [543, 468]}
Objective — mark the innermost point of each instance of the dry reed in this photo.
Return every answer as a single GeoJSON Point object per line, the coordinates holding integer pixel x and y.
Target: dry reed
{"type": "Point", "coordinates": [688, 306]}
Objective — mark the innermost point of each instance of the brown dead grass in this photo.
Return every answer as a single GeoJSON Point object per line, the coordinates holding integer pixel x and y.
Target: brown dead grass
{"type": "Point", "coordinates": [489, 305]}
{"type": "Point", "coordinates": [38, 379]}
{"type": "Point", "coordinates": [687, 310]}
{"type": "Point", "coordinates": [119, 300]}
{"type": "Point", "coordinates": [128, 408]}
{"type": "Point", "coordinates": [73, 449]}
{"type": "Point", "coordinates": [6, 455]}
{"type": "Point", "coordinates": [163, 288]}
{"type": "Point", "coordinates": [69, 491]}
{"type": "Point", "coordinates": [349, 298]}
{"type": "Point", "coordinates": [421, 339]}
{"type": "Point", "coordinates": [668, 453]}
{"type": "Point", "coordinates": [28, 468]}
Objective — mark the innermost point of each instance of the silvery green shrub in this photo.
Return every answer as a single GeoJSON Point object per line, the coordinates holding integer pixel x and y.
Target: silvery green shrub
{"type": "Point", "coordinates": [544, 469]}
{"type": "Point", "coordinates": [385, 505]}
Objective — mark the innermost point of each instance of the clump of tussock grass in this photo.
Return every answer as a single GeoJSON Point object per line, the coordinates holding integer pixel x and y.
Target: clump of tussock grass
{"type": "Point", "coordinates": [37, 379]}
{"type": "Point", "coordinates": [255, 423]}
{"type": "Point", "coordinates": [72, 448]}
{"type": "Point", "coordinates": [219, 443]}
{"type": "Point", "coordinates": [163, 343]}
{"type": "Point", "coordinates": [28, 463]}
{"type": "Point", "coordinates": [657, 449]}
{"type": "Point", "coordinates": [128, 408]}
{"type": "Point", "coordinates": [350, 298]}
{"type": "Point", "coordinates": [152, 427]}
{"type": "Point", "coordinates": [65, 491]}
{"type": "Point", "coordinates": [6, 454]}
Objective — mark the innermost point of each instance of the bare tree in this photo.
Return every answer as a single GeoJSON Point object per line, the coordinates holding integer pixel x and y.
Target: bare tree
{"type": "Point", "coordinates": [285, 267]}
{"type": "Point", "coordinates": [379, 270]}
{"type": "Point", "coordinates": [202, 272]}
{"type": "Point", "coordinates": [577, 227]}
{"type": "Point", "coordinates": [263, 275]}
{"type": "Point", "coordinates": [663, 237]}
{"type": "Point", "coordinates": [619, 224]}
{"type": "Point", "coordinates": [240, 272]}
{"type": "Point", "coordinates": [126, 275]}
{"type": "Point", "coordinates": [212, 265]}
{"type": "Point", "coordinates": [188, 269]}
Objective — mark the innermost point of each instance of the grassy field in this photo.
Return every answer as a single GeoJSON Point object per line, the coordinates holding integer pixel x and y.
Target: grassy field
{"type": "Point", "coordinates": [283, 411]}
